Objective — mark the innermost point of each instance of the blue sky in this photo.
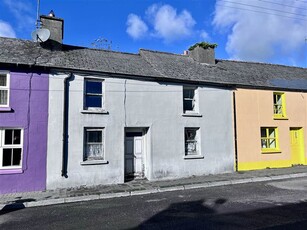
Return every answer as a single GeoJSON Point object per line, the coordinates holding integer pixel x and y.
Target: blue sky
{"type": "Point", "coordinates": [272, 31]}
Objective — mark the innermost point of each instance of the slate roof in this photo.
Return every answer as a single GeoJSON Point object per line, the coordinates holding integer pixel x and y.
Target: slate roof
{"type": "Point", "coordinates": [159, 65]}
{"type": "Point", "coordinates": [24, 52]}
{"type": "Point", "coordinates": [249, 74]}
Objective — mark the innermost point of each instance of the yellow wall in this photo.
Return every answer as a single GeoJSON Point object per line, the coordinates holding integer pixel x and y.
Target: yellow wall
{"type": "Point", "coordinates": [254, 109]}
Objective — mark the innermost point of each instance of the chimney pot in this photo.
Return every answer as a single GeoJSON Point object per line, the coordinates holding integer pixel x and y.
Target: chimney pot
{"type": "Point", "coordinates": [51, 14]}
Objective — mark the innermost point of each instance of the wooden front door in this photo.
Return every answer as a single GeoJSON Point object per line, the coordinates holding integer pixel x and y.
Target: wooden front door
{"type": "Point", "coordinates": [134, 154]}
{"type": "Point", "coordinates": [297, 146]}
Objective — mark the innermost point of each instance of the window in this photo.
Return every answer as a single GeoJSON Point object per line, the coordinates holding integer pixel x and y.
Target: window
{"type": "Point", "coordinates": [192, 141]}
{"type": "Point", "coordinates": [4, 89]}
{"type": "Point", "coordinates": [94, 144]}
{"type": "Point", "coordinates": [189, 100]}
{"type": "Point", "coordinates": [269, 140]}
{"type": "Point", "coordinates": [93, 95]}
{"type": "Point", "coordinates": [279, 105]}
{"type": "Point", "coordinates": [10, 148]}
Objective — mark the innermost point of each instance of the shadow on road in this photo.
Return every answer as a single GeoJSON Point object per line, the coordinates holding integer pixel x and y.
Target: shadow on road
{"type": "Point", "coordinates": [17, 205]}
{"type": "Point", "coordinates": [196, 215]}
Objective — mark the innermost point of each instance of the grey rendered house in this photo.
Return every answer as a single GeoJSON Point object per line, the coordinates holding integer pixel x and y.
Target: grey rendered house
{"type": "Point", "coordinates": [126, 118]}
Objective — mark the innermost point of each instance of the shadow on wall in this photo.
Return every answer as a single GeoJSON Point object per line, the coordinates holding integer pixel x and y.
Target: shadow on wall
{"type": "Point", "coordinates": [196, 215]}
{"type": "Point", "coordinates": [17, 205]}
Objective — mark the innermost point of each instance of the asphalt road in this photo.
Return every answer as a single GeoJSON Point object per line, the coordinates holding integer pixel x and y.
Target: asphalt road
{"type": "Point", "coordinates": [265, 205]}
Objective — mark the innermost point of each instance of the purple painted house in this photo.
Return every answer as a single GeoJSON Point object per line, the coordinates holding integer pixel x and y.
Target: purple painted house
{"type": "Point", "coordinates": [23, 130]}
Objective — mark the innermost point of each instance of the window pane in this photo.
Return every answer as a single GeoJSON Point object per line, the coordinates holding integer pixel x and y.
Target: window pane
{"type": "Point", "coordinates": [263, 132]}
{"type": "Point", "coordinates": [94, 136]}
{"type": "Point", "coordinates": [3, 80]}
{"type": "Point", "coordinates": [94, 151]}
{"type": "Point", "coordinates": [190, 134]}
{"type": "Point", "coordinates": [16, 136]}
{"type": "Point", "coordinates": [7, 157]}
{"type": "Point", "coordinates": [278, 99]}
{"type": "Point", "coordinates": [93, 101]}
{"type": "Point", "coordinates": [16, 157]}
{"type": "Point", "coordinates": [8, 137]}
{"type": "Point", "coordinates": [188, 93]}
{"type": "Point", "coordinates": [188, 105]}
{"type": "Point", "coordinates": [93, 87]}
{"type": "Point", "coordinates": [191, 147]}
{"type": "Point", "coordinates": [264, 143]}
{"type": "Point", "coordinates": [3, 97]}
{"type": "Point", "coordinates": [271, 133]}
{"type": "Point", "coordinates": [272, 143]}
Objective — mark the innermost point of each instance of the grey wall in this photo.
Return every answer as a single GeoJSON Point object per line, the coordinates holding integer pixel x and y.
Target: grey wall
{"type": "Point", "coordinates": [137, 103]}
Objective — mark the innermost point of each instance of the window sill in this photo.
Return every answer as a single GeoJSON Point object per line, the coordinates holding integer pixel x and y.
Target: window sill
{"type": "Point", "coordinates": [194, 157]}
{"type": "Point", "coordinates": [191, 115]}
{"type": "Point", "coordinates": [5, 109]}
{"type": "Point", "coordinates": [94, 162]}
{"type": "Point", "coordinates": [280, 118]}
{"type": "Point", "coordinates": [100, 111]}
{"type": "Point", "coordinates": [10, 171]}
{"type": "Point", "coordinates": [270, 151]}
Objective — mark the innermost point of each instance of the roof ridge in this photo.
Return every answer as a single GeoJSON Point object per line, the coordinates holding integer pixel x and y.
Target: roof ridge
{"type": "Point", "coordinates": [261, 63]}
{"type": "Point", "coordinates": [102, 50]}
{"type": "Point", "coordinates": [162, 52]}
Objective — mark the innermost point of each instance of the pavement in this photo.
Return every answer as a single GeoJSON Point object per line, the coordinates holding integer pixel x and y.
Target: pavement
{"type": "Point", "coordinates": [142, 187]}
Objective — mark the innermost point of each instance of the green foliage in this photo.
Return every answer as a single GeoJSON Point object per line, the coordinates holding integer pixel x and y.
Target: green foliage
{"type": "Point", "coordinates": [204, 45]}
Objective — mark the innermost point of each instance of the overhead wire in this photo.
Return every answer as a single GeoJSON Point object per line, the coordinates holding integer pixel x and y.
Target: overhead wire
{"type": "Point", "coordinates": [281, 4]}
{"type": "Point", "coordinates": [257, 11]}
{"type": "Point", "coordinates": [265, 8]}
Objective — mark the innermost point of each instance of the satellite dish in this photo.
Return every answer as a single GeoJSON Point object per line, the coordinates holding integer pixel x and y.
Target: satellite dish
{"type": "Point", "coordinates": [40, 35]}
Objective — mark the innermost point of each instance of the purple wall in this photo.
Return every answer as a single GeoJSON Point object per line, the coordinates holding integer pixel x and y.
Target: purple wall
{"type": "Point", "coordinates": [33, 118]}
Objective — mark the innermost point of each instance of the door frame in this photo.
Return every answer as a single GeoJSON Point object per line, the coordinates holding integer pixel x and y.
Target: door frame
{"type": "Point", "coordinates": [144, 131]}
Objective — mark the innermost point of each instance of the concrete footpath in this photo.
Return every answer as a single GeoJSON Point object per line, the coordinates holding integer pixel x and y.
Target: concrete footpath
{"type": "Point", "coordinates": [141, 187]}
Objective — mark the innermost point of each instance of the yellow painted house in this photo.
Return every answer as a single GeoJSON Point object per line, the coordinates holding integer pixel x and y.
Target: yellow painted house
{"type": "Point", "coordinates": [271, 124]}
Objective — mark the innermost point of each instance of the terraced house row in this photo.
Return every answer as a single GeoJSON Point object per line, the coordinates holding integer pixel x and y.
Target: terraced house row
{"type": "Point", "coordinates": [73, 116]}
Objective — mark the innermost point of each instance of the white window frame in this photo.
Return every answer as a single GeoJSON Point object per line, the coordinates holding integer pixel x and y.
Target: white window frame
{"type": "Point", "coordinates": [6, 88]}
{"type": "Point", "coordinates": [197, 140]}
{"type": "Point", "coordinates": [85, 94]}
{"type": "Point", "coordinates": [85, 158]}
{"type": "Point", "coordinates": [194, 100]}
{"type": "Point", "coordinates": [2, 146]}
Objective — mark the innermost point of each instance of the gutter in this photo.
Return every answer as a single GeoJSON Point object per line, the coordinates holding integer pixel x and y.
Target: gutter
{"type": "Point", "coordinates": [67, 79]}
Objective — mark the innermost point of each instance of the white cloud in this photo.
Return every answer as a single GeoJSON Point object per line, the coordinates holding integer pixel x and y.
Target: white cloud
{"type": "Point", "coordinates": [136, 27]}
{"type": "Point", "coordinates": [163, 22]}
{"type": "Point", "coordinates": [261, 36]}
{"type": "Point", "coordinates": [204, 35]}
{"type": "Point", "coordinates": [23, 12]}
{"type": "Point", "coordinates": [6, 30]}
{"type": "Point", "coordinates": [168, 24]}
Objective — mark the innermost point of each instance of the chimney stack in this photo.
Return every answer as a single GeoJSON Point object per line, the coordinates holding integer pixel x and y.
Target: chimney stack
{"type": "Point", "coordinates": [55, 26]}
{"type": "Point", "coordinates": [203, 55]}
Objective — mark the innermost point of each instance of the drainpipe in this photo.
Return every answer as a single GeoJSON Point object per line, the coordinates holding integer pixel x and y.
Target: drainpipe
{"type": "Point", "coordinates": [67, 79]}
{"type": "Point", "coordinates": [235, 130]}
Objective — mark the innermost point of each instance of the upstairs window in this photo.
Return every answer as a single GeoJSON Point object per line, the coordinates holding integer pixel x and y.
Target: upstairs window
{"type": "Point", "coordinates": [4, 89]}
{"type": "Point", "coordinates": [10, 148]}
{"type": "Point", "coordinates": [192, 141]}
{"type": "Point", "coordinates": [279, 105]}
{"type": "Point", "coordinates": [190, 100]}
{"type": "Point", "coordinates": [94, 144]}
{"type": "Point", "coordinates": [269, 139]}
{"type": "Point", "coordinates": [93, 94]}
